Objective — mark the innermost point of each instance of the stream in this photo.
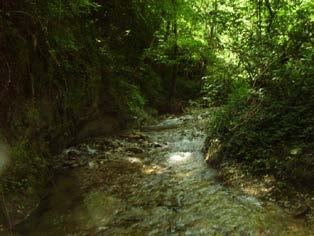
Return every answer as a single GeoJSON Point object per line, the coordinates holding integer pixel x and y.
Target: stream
{"type": "Point", "coordinates": [153, 182]}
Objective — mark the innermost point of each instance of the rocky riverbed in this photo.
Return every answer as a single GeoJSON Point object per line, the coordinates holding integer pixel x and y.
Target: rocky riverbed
{"type": "Point", "coordinates": [153, 182]}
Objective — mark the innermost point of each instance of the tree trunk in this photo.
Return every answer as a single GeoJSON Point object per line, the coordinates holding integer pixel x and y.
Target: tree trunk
{"type": "Point", "coordinates": [175, 54]}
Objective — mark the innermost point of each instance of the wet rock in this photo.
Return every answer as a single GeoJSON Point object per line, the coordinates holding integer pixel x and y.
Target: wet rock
{"type": "Point", "coordinates": [302, 212]}
{"type": "Point", "coordinates": [157, 145]}
{"type": "Point", "coordinates": [136, 150]}
{"type": "Point", "coordinates": [102, 162]}
{"type": "Point", "coordinates": [70, 152]}
{"type": "Point", "coordinates": [135, 136]}
{"type": "Point", "coordinates": [134, 215]}
{"type": "Point", "coordinates": [146, 144]}
{"type": "Point", "coordinates": [91, 151]}
{"type": "Point", "coordinates": [116, 144]}
{"type": "Point", "coordinates": [91, 164]}
{"type": "Point", "coordinates": [75, 165]}
{"type": "Point", "coordinates": [187, 118]}
{"type": "Point", "coordinates": [103, 156]}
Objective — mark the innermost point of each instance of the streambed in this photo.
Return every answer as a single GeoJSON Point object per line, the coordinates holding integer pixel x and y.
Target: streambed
{"type": "Point", "coordinates": [154, 183]}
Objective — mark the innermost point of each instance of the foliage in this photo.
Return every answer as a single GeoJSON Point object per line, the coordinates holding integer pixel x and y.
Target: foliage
{"type": "Point", "coordinates": [219, 82]}
{"type": "Point", "coordinates": [268, 113]}
{"type": "Point", "coordinates": [179, 49]}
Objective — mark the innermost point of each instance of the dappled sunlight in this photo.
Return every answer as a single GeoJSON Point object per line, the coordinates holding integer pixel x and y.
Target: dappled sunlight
{"type": "Point", "coordinates": [184, 174]}
{"type": "Point", "coordinates": [154, 169]}
{"type": "Point", "coordinates": [134, 160]}
{"type": "Point", "coordinates": [257, 190]}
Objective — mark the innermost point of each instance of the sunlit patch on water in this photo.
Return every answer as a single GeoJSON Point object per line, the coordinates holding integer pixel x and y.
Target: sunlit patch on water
{"type": "Point", "coordinates": [180, 157]}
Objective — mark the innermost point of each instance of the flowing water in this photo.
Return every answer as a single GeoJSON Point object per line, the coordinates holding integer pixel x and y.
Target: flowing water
{"type": "Point", "coordinates": [165, 190]}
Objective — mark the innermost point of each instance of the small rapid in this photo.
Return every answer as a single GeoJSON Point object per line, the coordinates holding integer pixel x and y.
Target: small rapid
{"type": "Point", "coordinates": [160, 185]}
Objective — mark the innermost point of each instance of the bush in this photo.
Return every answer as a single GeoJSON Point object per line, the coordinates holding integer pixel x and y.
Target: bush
{"type": "Point", "coordinates": [263, 132]}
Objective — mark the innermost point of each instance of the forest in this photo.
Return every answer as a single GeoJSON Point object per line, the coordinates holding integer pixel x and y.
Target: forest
{"type": "Point", "coordinates": [88, 77]}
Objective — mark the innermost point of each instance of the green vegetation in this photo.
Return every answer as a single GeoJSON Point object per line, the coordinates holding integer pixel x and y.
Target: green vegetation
{"type": "Point", "coordinates": [66, 63]}
{"type": "Point", "coordinates": [266, 87]}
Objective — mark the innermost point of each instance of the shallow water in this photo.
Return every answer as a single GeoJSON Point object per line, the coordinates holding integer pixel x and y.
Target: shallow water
{"type": "Point", "coordinates": [167, 190]}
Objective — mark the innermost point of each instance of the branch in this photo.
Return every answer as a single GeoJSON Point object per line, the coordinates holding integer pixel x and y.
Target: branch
{"type": "Point", "coordinates": [271, 15]}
